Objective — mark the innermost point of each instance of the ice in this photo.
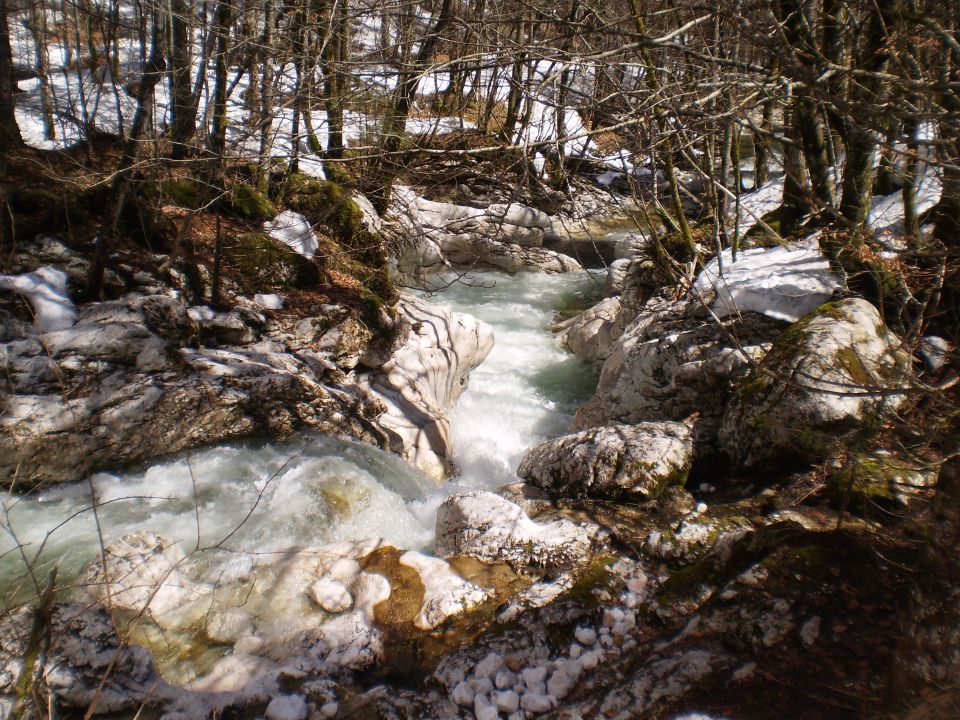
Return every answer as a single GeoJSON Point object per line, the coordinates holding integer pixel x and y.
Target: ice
{"type": "Point", "coordinates": [46, 291]}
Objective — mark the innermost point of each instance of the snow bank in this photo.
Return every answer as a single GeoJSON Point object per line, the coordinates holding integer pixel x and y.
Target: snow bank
{"type": "Point", "coordinates": [46, 291]}
{"type": "Point", "coordinates": [784, 283]}
{"type": "Point", "coordinates": [294, 231]}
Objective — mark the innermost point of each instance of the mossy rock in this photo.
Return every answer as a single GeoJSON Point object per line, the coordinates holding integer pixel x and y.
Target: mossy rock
{"type": "Point", "coordinates": [328, 204]}
{"type": "Point", "coordinates": [877, 480]}
{"type": "Point", "coordinates": [183, 192]}
{"type": "Point", "coordinates": [264, 264]}
{"type": "Point", "coordinates": [248, 203]}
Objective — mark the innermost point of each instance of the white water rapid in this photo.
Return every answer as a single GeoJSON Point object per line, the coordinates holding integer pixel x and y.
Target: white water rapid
{"type": "Point", "coordinates": [262, 496]}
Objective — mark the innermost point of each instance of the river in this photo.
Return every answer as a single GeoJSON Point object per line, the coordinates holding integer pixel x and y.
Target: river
{"type": "Point", "coordinates": [257, 496]}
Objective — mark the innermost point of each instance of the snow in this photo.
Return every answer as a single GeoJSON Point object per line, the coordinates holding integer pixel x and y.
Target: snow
{"type": "Point", "coordinates": [331, 595]}
{"type": "Point", "coordinates": [269, 301]}
{"type": "Point", "coordinates": [46, 291]}
{"type": "Point", "coordinates": [784, 283]}
{"type": "Point", "coordinates": [754, 205]}
{"type": "Point", "coordinates": [887, 212]}
{"type": "Point", "coordinates": [294, 231]}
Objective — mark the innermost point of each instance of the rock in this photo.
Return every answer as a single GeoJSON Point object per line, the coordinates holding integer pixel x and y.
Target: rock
{"type": "Point", "coordinates": [462, 694]}
{"type": "Point", "coordinates": [674, 360]}
{"type": "Point", "coordinates": [445, 593]}
{"type": "Point", "coordinates": [505, 236]}
{"type": "Point", "coordinates": [331, 595]}
{"type": "Point", "coordinates": [488, 527]}
{"type": "Point", "coordinates": [90, 666]}
{"type": "Point", "coordinates": [489, 666]}
{"type": "Point", "coordinates": [586, 636]}
{"type": "Point", "coordinates": [591, 334]}
{"type": "Point", "coordinates": [610, 461]}
{"type": "Point", "coordinates": [538, 702]}
{"type": "Point", "coordinates": [616, 277]}
{"type": "Point", "coordinates": [351, 641]}
{"type": "Point", "coordinates": [286, 707]}
{"type": "Point", "coordinates": [507, 701]}
{"type": "Point", "coordinates": [424, 378]}
{"type": "Point", "coordinates": [143, 574]}
{"type": "Point", "coordinates": [831, 377]}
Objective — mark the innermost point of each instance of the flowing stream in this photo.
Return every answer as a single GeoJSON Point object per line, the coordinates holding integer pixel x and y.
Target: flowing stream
{"type": "Point", "coordinates": [259, 496]}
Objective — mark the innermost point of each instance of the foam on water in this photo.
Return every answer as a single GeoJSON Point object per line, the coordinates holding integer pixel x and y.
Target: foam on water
{"type": "Point", "coordinates": [258, 497]}
{"type": "Point", "coordinates": [528, 388]}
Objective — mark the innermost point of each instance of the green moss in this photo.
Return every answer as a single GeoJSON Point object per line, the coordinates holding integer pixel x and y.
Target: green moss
{"type": "Point", "coordinates": [183, 192]}
{"type": "Point", "coordinates": [264, 264]}
{"type": "Point", "coordinates": [804, 561]}
{"type": "Point", "coordinates": [248, 203]}
{"type": "Point", "coordinates": [686, 582]}
{"type": "Point", "coordinates": [327, 204]}
{"type": "Point", "coordinates": [593, 576]}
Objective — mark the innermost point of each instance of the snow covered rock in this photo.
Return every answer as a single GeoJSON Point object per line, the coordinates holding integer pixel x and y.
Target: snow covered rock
{"type": "Point", "coordinates": [505, 236]}
{"type": "Point", "coordinates": [488, 527]}
{"type": "Point", "coordinates": [424, 378]}
{"type": "Point", "coordinates": [784, 283]}
{"type": "Point", "coordinates": [612, 460]}
{"type": "Point", "coordinates": [591, 334]}
{"type": "Point", "coordinates": [836, 374]}
{"type": "Point", "coordinates": [143, 574]}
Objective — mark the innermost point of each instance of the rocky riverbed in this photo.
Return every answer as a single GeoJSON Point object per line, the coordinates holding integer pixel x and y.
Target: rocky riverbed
{"type": "Point", "coordinates": [671, 553]}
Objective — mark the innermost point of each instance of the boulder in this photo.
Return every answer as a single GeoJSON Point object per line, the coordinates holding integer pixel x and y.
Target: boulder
{"type": "Point", "coordinates": [591, 334]}
{"type": "Point", "coordinates": [608, 462]}
{"type": "Point", "coordinates": [143, 574]}
{"type": "Point", "coordinates": [487, 527]}
{"type": "Point", "coordinates": [675, 360]}
{"type": "Point", "coordinates": [506, 236]}
{"type": "Point", "coordinates": [832, 378]}
{"type": "Point", "coordinates": [423, 379]}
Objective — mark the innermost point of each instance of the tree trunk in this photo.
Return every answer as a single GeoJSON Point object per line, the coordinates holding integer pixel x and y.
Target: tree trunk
{"type": "Point", "coordinates": [221, 32]}
{"type": "Point", "coordinates": [860, 170]}
{"type": "Point", "coordinates": [395, 123]}
{"type": "Point", "coordinates": [183, 106]}
{"type": "Point", "coordinates": [9, 130]}
{"type": "Point", "coordinates": [152, 74]}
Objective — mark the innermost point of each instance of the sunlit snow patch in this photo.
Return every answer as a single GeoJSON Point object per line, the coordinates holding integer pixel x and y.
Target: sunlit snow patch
{"type": "Point", "coordinates": [294, 231]}
{"type": "Point", "coordinates": [46, 291]}
{"type": "Point", "coordinates": [784, 283]}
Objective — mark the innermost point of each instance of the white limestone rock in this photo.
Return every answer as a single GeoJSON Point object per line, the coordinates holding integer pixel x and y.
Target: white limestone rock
{"type": "Point", "coordinates": [639, 460]}
{"type": "Point", "coordinates": [144, 574]}
{"type": "Point", "coordinates": [672, 360]}
{"type": "Point", "coordinates": [591, 334]}
{"type": "Point", "coordinates": [287, 707]}
{"type": "Point", "coordinates": [488, 527]}
{"type": "Point", "coordinates": [445, 593]}
{"type": "Point", "coordinates": [835, 374]}
{"type": "Point", "coordinates": [424, 378]}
